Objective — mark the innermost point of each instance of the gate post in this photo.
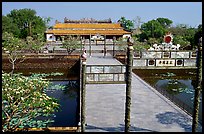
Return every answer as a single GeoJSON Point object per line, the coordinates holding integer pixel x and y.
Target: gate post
{"type": "Point", "coordinates": [128, 83]}
{"type": "Point", "coordinates": [83, 93]}
{"type": "Point", "coordinates": [198, 86]}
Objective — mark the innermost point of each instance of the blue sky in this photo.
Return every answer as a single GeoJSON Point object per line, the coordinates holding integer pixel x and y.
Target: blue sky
{"type": "Point", "coordinates": [189, 13]}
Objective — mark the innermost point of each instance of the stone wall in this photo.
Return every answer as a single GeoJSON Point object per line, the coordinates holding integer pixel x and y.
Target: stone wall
{"type": "Point", "coordinates": [67, 64]}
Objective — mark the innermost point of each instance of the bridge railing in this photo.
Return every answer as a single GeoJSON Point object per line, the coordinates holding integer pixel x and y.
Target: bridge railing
{"type": "Point", "coordinates": [185, 107]}
{"type": "Point", "coordinates": [105, 74]}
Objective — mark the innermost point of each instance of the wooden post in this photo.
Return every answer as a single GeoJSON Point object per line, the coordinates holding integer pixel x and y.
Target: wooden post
{"type": "Point", "coordinates": [83, 95]}
{"type": "Point", "coordinates": [198, 86]}
{"type": "Point", "coordinates": [128, 83]}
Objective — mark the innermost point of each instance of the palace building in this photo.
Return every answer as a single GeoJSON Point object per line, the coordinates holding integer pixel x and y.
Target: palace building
{"type": "Point", "coordinates": [88, 29]}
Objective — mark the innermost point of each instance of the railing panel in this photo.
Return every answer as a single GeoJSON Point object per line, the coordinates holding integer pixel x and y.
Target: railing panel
{"type": "Point", "coordinates": [105, 74]}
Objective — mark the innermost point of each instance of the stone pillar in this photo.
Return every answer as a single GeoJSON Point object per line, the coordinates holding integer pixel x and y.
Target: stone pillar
{"type": "Point", "coordinates": [83, 95]}
{"type": "Point", "coordinates": [198, 86]}
{"type": "Point", "coordinates": [128, 83]}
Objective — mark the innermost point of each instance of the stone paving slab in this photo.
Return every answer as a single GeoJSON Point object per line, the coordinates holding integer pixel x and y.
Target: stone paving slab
{"type": "Point", "coordinates": [99, 59]}
{"type": "Point", "coordinates": [150, 111]}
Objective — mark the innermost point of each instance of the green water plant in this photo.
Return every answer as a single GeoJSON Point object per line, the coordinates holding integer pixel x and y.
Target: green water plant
{"type": "Point", "coordinates": [24, 100]}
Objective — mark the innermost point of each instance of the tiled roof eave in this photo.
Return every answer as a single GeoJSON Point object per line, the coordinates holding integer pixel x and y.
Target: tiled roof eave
{"type": "Point", "coordinates": [88, 32]}
{"type": "Point", "coordinates": [91, 34]}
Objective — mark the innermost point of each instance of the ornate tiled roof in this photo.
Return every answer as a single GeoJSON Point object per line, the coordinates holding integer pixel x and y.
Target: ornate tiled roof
{"type": "Point", "coordinates": [87, 25]}
{"type": "Point", "coordinates": [87, 28]}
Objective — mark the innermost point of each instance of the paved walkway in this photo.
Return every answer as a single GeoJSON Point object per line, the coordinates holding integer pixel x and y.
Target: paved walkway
{"type": "Point", "coordinates": [150, 111]}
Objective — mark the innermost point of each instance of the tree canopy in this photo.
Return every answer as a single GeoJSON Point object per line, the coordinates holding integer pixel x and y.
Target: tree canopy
{"type": "Point", "coordinates": [198, 34]}
{"type": "Point", "coordinates": [164, 22]}
{"type": "Point", "coordinates": [127, 24]}
{"type": "Point", "coordinates": [23, 23]}
{"type": "Point", "coordinates": [152, 29]}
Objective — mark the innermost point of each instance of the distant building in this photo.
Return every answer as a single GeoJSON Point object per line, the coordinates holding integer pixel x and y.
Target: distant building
{"type": "Point", "coordinates": [87, 29]}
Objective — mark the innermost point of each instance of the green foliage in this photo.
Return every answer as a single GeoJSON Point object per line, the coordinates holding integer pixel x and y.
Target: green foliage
{"type": "Point", "coordinates": [197, 35]}
{"type": "Point", "coordinates": [25, 23]}
{"type": "Point", "coordinates": [185, 34]}
{"type": "Point", "coordinates": [152, 41]}
{"type": "Point", "coordinates": [8, 26]}
{"type": "Point", "coordinates": [23, 100]}
{"type": "Point", "coordinates": [47, 20]}
{"type": "Point", "coordinates": [71, 43]}
{"type": "Point", "coordinates": [152, 29]}
{"type": "Point", "coordinates": [12, 46]}
{"type": "Point", "coordinates": [11, 43]}
{"type": "Point", "coordinates": [69, 89]}
{"type": "Point", "coordinates": [127, 24]}
{"type": "Point", "coordinates": [165, 22]}
{"type": "Point", "coordinates": [189, 36]}
{"type": "Point", "coordinates": [121, 43]}
{"type": "Point", "coordinates": [35, 43]}
{"type": "Point", "coordinates": [181, 40]}
{"type": "Point", "coordinates": [140, 46]}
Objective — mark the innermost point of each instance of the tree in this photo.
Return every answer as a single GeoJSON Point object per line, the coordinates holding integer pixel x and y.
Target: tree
{"type": "Point", "coordinates": [184, 34]}
{"type": "Point", "coordinates": [35, 43]}
{"type": "Point", "coordinates": [137, 22]}
{"type": "Point", "coordinates": [121, 43]}
{"type": "Point", "coordinates": [178, 39]}
{"type": "Point", "coordinates": [27, 21]}
{"type": "Point", "coordinates": [189, 36]}
{"type": "Point", "coordinates": [8, 26]}
{"type": "Point", "coordinates": [179, 29]}
{"type": "Point", "coordinates": [155, 29]}
{"type": "Point", "coordinates": [126, 24]}
{"type": "Point", "coordinates": [140, 46]}
{"type": "Point", "coordinates": [198, 34]}
{"type": "Point", "coordinates": [12, 46]}
{"type": "Point", "coordinates": [164, 22]}
{"type": "Point", "coordinates": [71, 43]}
{"type": "Point", "coordinates": [47, 20]}
{"type": "Point", "coordinates": [152, 29]}
{"type": "Point", "coordinates": [23, 100]}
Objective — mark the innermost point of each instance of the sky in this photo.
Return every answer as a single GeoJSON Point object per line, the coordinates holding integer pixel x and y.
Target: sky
{"type": "Point", "coordinates": [189, 13]}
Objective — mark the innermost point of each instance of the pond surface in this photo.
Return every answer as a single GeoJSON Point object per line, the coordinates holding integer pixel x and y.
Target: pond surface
{"type": "Point", "coordinates": [178, 85]}
{"type": "Point", "coordinates": [67, 94]}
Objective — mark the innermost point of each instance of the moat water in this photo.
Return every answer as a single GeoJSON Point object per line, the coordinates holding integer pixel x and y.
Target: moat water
{"type": "Point", "coordinates": [178, 83]}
